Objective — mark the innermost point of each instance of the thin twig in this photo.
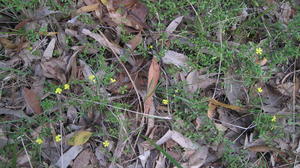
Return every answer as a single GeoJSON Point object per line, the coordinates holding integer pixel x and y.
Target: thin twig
{"type": "Point", "coordinates": [220, 63]}
{"type": "Point", "coordinates": [26, 152]}
{"type": "Point", "coordinates": [131, 111]}
{"type": "Point", "coordinates": [235, 125]}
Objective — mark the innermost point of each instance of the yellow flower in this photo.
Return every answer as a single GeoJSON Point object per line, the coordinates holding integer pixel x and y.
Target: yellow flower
{"type": "Point", "coordinates": [58, 90]}
{"type": "Point", "coordinates": [105, 143]}
{"type": "Point", "coordinates": [66, 86]}
{"type": "Point", "coordinates": [92, 78]}
{"type": "Point", "coordinates": [165, 101]}
{"type": "Point", "coordinates": [112, 80]}
{"type": "Point", "coordinates": [150, 46]}
{"type": "Point", "coordinates": [259, 90]}
{"type": "Point", "coordinates": [58, 138]}
{"type": "Point", "coordinates": [39, 141]}
{"type": "Point", "coordinates": [274, 118]}
{"type": "Point", "coordinates": [258, 51]}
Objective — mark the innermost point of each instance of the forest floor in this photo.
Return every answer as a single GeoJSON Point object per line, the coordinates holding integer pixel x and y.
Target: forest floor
{"type": "Point", "coordinates": [150, 84]}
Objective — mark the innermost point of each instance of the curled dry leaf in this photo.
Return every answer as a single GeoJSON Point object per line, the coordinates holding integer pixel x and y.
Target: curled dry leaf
{"type": "Point", "coordinates": [212, 110]}
{"type": "Point", "coordinates": [174, 24]}
{"type": "Point", "coordinates": [7, 43]}
{"type": "Point", "coordinates": [32, 101]}
{"type": "Point", "coordinates": [88, 8]}
{"type": "Point", "coordinates": [65, 160]}
{"type": "Point", "coordinates": [153, 77]}
{"type": "Point", "coordinates": [175, 58]}
{"type": "Point", "coordinates": [228, 106]}
{"type": "Point", "coordinates": [133, 43]}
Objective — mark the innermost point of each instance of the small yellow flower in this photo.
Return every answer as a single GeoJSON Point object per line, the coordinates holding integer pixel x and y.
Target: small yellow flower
{"type": "Point", "coordinates": [274, 118]}
{"type": "Point", "coordinates": [92, 78]}
{"type": "Point", "coordinates": [58, 90]}
{"type": "Point", "coordinates": [105, 143]}
{"type": "Point", "coordinates": [165, 101]}
{"type": "Point", "coordinates": [39, 141]}
{"type": "Point", "coordinates": [66, 86]}
{"type": "Point", "coordinates": [259, 90]}
{"type": "Point", "coordinates": [258, 51]}
{"type": "Point", "coordinates": [150, 46]}
{"type": "Point", "coordinates": [112, 80]}
{"type": "Point", "coordinates": [58, 138]}
{"type": "Point", "coordinates": [30, 48]}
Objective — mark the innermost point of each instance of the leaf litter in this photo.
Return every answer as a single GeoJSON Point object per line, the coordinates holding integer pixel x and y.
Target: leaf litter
{"type": "Point", "coordinates": [63, 56]}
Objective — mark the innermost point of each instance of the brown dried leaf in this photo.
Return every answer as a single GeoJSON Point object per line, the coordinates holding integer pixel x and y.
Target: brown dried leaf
{"type": "Point", "coordinates": [49, 50]}
{"type": "Point", "coordinates": [234, 89]}
{"type": "Point", "coordinates": [130, 12]}
{"type": "Point", "coordinates": [55, 69]}
{"type": "Point", "coordinates": [198, 158]}
{"type": "Point", "coordinates": [133, 43]}
{"type": "Point", "coordinates": [196, 81]}
{"type": "Point", "coordinates": [260, 148]}
{"type": "Point", "coordinates": [174, 24]}
{"type": "Point", "coordinates": [228, 106]}
{"type": "Point", "coordinates": [32, 101]}
{"type": "Point", "coordinates": [175, 58]}
{"type": "Point", "coordinates": [66, 159]}
{"type": "Point", "coordinates": [153, 77]}
{"type": "Point", "coordinates": [178, 138]}
{"type": "Point", "coordinates": [83, 159]}
{"type": "Point", "coordinates": [88, 8]}
{"type": "Point", "coordinates": [212, 110]}
{"type": "Point", "coordinates": [103, 41]}
{"type": "Point", "coordinates": [7, 43]}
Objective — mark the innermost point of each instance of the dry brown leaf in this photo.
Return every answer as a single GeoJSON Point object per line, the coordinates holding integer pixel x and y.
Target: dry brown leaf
{"type": "Point", "coordinates": [174, 24]}
{"type": "Point", "coordinates": [32, 101]}
{"type": "Point", "coordinates": [88, 8]}
{"type": "Point", "coordinates": [103, 41]}
{"type": "Point", "coordinates": [228, 106]}
{"type": "Point", "coordinates": [175, 58]}
{"type": "Point", "coordinates": [55, 69]}
{"type": "Point", "coordinates": [49, 50]}
{"type": "Point", "coordinates": [22, 23]}
{"type": "Point", "coordinates": [262, 62]}
{"type": "Point", "coordinates": [102, 157]}
{"type": "Point", "coordinates": [198, 158]}
{"type": "Point", "coordinates": [178, 138]}
{"type": "Point", "coordinates": [212, 110]}
{"type": "Point", "coordinates": [66, 159]}
{"type": "Point", "coordinates": [260, 148]}
{"type": "Point", "coordinates": [153, 77]}
{"type": "Point", "coordinates": [234, 89]}
{"type": "Point", "coordinates": [131, 13]}
{"type": "Point", "coordinates": [7, 43]}
{"type": "Point", "coordinates": [133, 43]}
{"type": "Point", "coordinates": [83, 159]}
{"type": "Point", "coordinates": [196, 81]}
